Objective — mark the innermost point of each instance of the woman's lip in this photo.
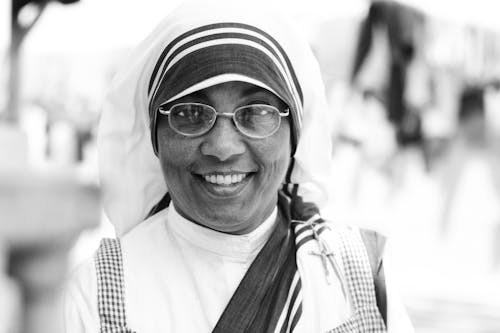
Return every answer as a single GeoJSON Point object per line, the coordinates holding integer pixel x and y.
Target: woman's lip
{"type": "Point", "coordinates": [224, 191]}
{"type": "Point", "coordinates": [223, 173]}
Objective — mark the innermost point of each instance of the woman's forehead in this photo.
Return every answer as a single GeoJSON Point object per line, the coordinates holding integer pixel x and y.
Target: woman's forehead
{"type": "Point", "coordinates": [232, 90]}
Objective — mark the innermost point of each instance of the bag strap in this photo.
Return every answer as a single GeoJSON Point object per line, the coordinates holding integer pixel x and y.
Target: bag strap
{"type": "Point", "coordinates": [375, 243]}
{"type": "Point", "coordinates": [110, 287]}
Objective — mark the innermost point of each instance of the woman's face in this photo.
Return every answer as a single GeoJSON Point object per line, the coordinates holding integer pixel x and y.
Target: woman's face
{"type": "Point", "coordinates": [191, 164]}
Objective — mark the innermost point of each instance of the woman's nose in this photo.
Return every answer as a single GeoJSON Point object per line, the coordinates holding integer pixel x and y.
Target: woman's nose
{"type": "Point", "coordinates": [223, 141]}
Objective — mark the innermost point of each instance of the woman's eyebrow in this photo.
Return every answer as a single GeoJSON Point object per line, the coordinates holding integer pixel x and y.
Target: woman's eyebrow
{"type": "Point", "coordinates": [252, 90]}
{"type": "Point", "coordinates": [199, 94]}
{"type": "Point", "coordinates": [264, 94]}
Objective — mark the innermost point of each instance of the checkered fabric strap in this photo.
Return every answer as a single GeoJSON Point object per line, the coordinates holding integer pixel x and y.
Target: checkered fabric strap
{"type": "Point", "coordinates": [110, 287]}
{"type": "Point", "coordinates": [360, 282]}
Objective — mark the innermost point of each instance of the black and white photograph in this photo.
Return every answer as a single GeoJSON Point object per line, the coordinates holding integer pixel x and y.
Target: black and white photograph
{"type": "Point", "coordinates": [264, 166]}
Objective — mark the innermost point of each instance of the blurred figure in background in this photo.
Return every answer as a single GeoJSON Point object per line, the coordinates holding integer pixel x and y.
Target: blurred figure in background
{"type": "Point", "coordinates": [397, 83]}
{"type": "Point", "coordinates": [492, 104]}
{"type": "Point", "coordinates": [471, 161]}
{"type": "Point", "coordinates": [469, 142]}
{"type": "Point", "coordinates": [421, 153]}
{"type": "Point", "coordinates": [381, 117]}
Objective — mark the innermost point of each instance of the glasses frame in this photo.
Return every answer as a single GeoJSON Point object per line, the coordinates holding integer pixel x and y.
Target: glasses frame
{"type": "Point", "coordinates": [163, 111]}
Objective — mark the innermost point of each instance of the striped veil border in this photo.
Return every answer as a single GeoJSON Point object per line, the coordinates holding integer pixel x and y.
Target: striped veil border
{"type": "Point", "coordinates": [292, 310]}
{"type": "Point", "coordinates": [225, 33]}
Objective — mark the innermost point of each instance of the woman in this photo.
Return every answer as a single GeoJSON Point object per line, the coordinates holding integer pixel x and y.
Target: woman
{"type": "Point", "coordinates": [214, 158]}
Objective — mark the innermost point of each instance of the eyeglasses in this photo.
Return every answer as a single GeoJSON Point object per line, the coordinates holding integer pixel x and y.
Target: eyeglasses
{"type": "Point", "coordinates": [194, 119]}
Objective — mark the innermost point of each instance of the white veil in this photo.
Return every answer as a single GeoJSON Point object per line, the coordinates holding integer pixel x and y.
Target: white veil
{"type": "Point", "coordinates": [130, 174]}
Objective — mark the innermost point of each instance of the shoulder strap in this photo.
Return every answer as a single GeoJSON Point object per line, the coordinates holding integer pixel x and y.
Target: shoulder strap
{"type": "Point", "coordinates": [375, 243]}
{"type": "Point", "coordinates": [110, 287]}
{"type": "Point", "coordinates": [359, 278]}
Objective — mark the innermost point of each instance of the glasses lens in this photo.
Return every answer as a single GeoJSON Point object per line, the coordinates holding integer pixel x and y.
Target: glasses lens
{"type": "Point", "coordinates": [191, 118]}
{"type": "Point", "coordinates": [257, 120]}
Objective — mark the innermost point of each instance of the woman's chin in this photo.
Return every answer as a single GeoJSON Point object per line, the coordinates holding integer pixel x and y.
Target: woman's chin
{"type": "Point", "coordinates": [230, 223]}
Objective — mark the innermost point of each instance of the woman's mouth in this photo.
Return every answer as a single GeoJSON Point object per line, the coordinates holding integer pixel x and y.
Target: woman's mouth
{"type": "Point", "coordinates": [225, 184]}
{"type": "Point", "coordinates": [225, 180]}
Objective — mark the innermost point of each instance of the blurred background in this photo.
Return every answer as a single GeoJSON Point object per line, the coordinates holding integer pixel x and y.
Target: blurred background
{"type": "Point", "coordinates": [414, 95]}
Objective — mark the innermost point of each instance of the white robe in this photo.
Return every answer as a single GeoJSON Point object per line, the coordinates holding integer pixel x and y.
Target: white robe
{"type": "Point", "coordinates": [180, 276]}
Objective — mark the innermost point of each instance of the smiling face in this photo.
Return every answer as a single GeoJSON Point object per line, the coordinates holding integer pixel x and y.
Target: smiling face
{"type": "Point", "coordinates": [224, 180]}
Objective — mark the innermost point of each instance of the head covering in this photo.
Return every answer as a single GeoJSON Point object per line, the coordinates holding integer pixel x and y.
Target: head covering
{"type": "Point", "coordinates": [187, 52]}
{"type": "Point", "coordinates": [222, 52]}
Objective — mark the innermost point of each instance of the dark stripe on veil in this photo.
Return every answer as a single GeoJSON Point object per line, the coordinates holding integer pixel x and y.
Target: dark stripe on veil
{"type": "Point", "coordinates": [227, 25]}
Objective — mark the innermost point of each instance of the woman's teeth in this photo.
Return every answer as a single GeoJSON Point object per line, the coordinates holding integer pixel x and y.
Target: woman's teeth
{"type": "Point", "coordinates": [225, 179]}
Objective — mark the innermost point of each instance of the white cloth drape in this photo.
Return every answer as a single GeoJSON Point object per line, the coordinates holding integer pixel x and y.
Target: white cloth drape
{"type": "Point", "coordinates": [130, 173]}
